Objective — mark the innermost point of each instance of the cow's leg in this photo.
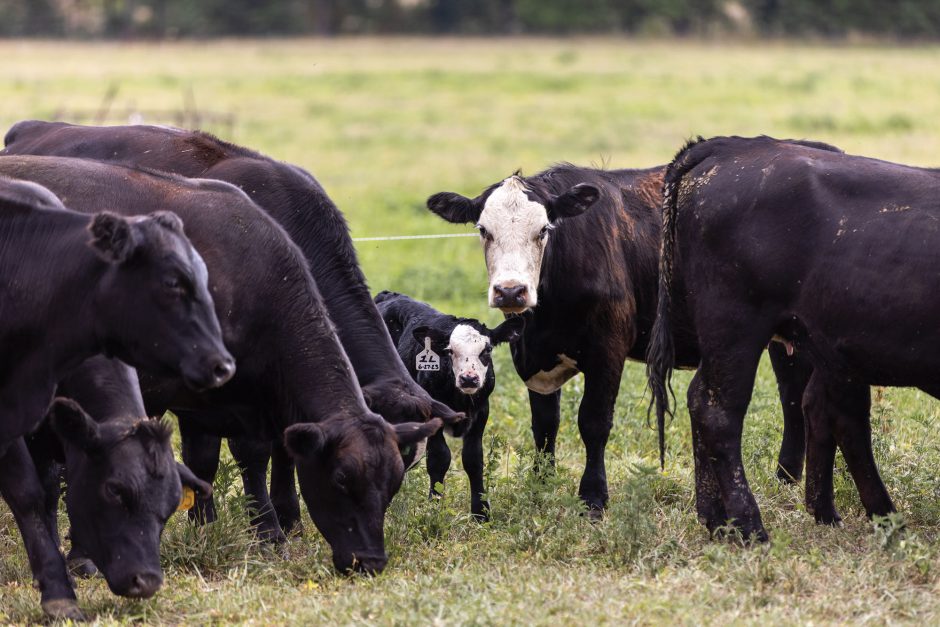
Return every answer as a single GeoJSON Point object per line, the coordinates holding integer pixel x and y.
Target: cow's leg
{"type": "Point", "coordinates": [546, 416]}
{"type": "Point", "coordinates": [820, 453]}
{"type": "Point", "coordinates": [201, 455]}
{"type": "Point", "coordinates": [718, 400]}
{"type": "Point", "coordinates": [252, 457]}
{"type": "Point", "coordinates": [849, 409]}
{"type": "Point", "coordinates": [283, 488]}
{"type": "Point", "coordinates": [23, 492]}
{"type": "Point", "coordinates": [42, 447]}
{"type": "Point", "coordinates": [708, 504]}
{"type": "Point", "coordinates": [472, 457]}
{"type": "Point", "coordinates": [792, 372]}
{"type": "Point", "coordinates": [438, 461]}
{"type": "Point", "coordinates": [595, 418]}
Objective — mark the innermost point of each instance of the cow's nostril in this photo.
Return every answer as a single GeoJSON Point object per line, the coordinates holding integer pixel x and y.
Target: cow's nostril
{"type": "Point", "coordinates": [223, 369]}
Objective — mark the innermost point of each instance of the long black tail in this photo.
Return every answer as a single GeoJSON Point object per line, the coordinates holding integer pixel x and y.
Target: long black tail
{"type": "Point", "coordinates": [660, 356]}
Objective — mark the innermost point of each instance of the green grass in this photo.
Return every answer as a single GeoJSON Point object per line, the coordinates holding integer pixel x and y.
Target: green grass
{"type": "Point", "coordinates": [385, 123]}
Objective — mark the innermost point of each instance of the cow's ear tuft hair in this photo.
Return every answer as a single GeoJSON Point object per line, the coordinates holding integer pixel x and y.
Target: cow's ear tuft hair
{"type": "Point", "coordinates": [413, 432]}
{"type": "Point", "coordinates": [574, 202]}
{"type": "Point", "coordinates": [509, 331]}
{"type": "Point", "coordinates": [305, 440]}
{"type": "Point", "coordinates": [73, 425]}
{"type": "Point", "coordinates": [455, 208]}
{"type": "Point", "coordinates": [112, 237]}
{"type": "Point", "coordinates": [168, 220]}
{"type": "Point", "coordinates": [202, 489]}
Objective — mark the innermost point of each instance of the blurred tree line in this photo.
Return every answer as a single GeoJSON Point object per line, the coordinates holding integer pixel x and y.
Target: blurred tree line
{"type": "Point", "coordinates": [216, 18]}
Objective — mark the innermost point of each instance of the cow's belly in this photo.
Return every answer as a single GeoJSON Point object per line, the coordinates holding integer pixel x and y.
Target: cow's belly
{"type": "Point", "coordinates": [548, 381]}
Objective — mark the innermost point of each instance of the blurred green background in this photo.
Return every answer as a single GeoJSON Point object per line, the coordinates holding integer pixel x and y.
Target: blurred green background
{"type": "Point", "coordinates": [385, 122]}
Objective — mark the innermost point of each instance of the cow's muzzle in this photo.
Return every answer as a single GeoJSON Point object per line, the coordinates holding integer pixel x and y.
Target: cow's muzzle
{"type": "Point", "coordinates": [510, 298]}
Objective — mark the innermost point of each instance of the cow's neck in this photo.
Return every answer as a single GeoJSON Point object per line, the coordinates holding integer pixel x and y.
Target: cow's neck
{"type": "Point", "coordinates": [48, 307]}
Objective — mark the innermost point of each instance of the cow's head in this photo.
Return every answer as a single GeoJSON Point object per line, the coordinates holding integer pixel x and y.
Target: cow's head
{"type": "Point", "coordinates": [515, 224]}
{"type": "Point", "coordinates": [349, 469]}
{"type": "Point", "coordinates": [153, 309]}
{"type": "Point", "coordinates": [465, 351]}
{"type": "Point", "coordinates": [123, 485]}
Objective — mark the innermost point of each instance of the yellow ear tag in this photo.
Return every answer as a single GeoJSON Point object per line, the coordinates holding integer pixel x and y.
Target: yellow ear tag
{"type": "Point", "coordinates": [188, 499]}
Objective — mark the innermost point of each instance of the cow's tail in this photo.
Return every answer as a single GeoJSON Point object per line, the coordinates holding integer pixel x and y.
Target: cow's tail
{"type": "Point", "coordinates": [660, 356]}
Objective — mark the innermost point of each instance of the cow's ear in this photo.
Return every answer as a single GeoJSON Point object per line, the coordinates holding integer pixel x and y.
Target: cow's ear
{"type": "Point", "coordinates": [508, 331]}
{"type": "Point", "coordinates": [202, 489]}
{"type": "Point", "coordinates": [305, 440]}
{"type": "Point", "coordinates": [574, 202]}
{"type": "Point", "coordinates": [168, 220]}
{"type": "Point", "coordinates": [112, 237]}
{"type": "Point", "coordinates": [414, 432]}
{"type": "Point", "coordinates": [439, 339]}
{"type": "Point", "coordinates": [456, 208]}
{"type": "Point", "coordinates": [73, 425]}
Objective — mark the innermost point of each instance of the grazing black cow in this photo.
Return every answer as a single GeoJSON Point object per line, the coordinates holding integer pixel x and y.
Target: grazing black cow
{"type": "Point", "coordinates": [838, 256]}
{"type": "Point", "coordinates": [462, 377]}
{"type": "Point", "coordinates": [74, 286]}
{"type": "Point", "coordinates": [586, 281]}
{"type": "Point", "coordinates": [296, 200]}
{"type": "Point", "coordinates": [123, 481]}
{"type": "Point", "coordinates": [293, 376]}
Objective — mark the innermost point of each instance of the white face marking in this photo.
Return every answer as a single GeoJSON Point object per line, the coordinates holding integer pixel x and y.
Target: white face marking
{"type": "Point", "coordinates": [466, 345]}
{"type": "Point", "coordinates": [514, 254]}
{"type": "Point", "coordinates": [547, 382]}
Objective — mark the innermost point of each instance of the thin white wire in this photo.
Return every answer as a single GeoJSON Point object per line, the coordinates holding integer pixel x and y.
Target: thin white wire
{"type": "Point", "coordinates": [398, 237]}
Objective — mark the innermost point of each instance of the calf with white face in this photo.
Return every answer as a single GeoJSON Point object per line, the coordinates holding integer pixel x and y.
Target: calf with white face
{"type": "Point", "coordinates": [451, 358]}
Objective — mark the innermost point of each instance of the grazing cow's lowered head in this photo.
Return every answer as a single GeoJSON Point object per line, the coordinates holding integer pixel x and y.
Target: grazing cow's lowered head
{"type": "Point", "coordinates": [465, 350]}
{"type": "Point", "coordinates": [153, 307]}
{"type": "Point", "coordinates": [123, 485]}
{"type": "Point", "coordinates": [349, 469]}
{"type": "Point", "coordinates": [514, 221]}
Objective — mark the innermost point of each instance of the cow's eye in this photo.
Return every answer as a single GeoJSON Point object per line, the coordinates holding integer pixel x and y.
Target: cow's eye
{"type": "Point", "coordinates": [339, 481]}
{"type": "Point", "coordinates": [113, 493]}
{"type": "Point", "coordinates": [483, 232]}
{"type": "Point", "coordinates": [545, 231]}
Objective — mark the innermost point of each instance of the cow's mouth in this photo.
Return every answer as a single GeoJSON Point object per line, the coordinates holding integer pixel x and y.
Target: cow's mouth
{"type": "Point", "coordinates": [514, 310]}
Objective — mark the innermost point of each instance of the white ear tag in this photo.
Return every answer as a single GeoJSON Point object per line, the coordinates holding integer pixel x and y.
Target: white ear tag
{"type": "Point", "coordinates": [427, 359]}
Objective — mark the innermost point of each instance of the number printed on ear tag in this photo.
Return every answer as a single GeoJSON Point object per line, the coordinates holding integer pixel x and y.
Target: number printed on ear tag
{"type": "Point", "coordinates": [427, 359]}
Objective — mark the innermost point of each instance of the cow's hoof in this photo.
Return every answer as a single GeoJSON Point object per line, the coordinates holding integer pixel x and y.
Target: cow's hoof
{"type": "Point", "coordinates": [481, 514]}
{"type": "Point", "coordinates": [789, 476]}
{"type": "Point", "coordinates": [82, 567]}
{"type": "Point", "coordinates": [63, 609]}
{"type": "Point", "coordinates": [827, 516]}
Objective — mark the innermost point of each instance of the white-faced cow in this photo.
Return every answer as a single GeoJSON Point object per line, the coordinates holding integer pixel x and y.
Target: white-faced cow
{"type": "Point", "coordinates": [457, 370]}
{"type": "Point", "coordinates": [838, 256]}
{"type": "Point", "coordinates": [76, 285]}
{"type": "Point", "coordinates": [294, 380]}
{"type": "Point", "coordinates": [575, 251]}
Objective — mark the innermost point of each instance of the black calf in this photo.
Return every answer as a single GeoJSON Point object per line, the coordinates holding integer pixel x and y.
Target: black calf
{"type": "Point", "coordinates": [450, 358]}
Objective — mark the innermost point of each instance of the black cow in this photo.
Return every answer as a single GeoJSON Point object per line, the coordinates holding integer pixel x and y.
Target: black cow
{"type": "Point", "coordinates": [576, 250]}
{"type": "Point", "coordinates": [462, 377]}
{"type": "Point", "coordinates": [296, 200]}
{"type": "Point", "coordinates": [123, 481]}
{"type": "Point", "coordinates": [838, 256]}
{"type": "Point", "coordinates": [74, 286]}
{"type": "Point", "coordinates": [293, 376]}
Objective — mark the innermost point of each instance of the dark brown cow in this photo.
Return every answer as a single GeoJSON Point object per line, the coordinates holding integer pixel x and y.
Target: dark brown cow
{"type": "Point", "coordinates": [75, 286]}
{"type": "Point", "coordinates": [576, 250]}
{"type": "Point", "coordinates": [837, 255]}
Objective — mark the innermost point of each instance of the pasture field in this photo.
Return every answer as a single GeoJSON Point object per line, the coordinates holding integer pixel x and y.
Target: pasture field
{"type": "Point", "coordinates": [385, 123]}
